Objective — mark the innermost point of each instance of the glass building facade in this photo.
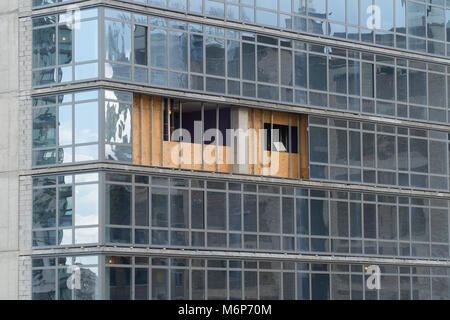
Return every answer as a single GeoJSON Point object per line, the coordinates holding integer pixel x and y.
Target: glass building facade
{"type": "Point", "coordinates": [342, 112]}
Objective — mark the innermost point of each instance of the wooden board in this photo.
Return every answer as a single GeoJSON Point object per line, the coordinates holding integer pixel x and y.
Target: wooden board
{"type": "Point", "coordinates": [224, 159]}
{"type": "Point", "coordinates": [304, 172]}
{"type": "Point", "coordinates": [258, 156]}
{"type": "Point", "coordinates": [146, 130]}
{"type": "Point", "coordinates": [281, 118]}
{"type": "Point", "coordinates": [156, 132]}
{"type": "Point", "coordinates": [172, 153]}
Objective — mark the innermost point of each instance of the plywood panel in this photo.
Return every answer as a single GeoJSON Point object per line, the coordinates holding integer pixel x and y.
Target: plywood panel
{"type": "Point", "coordinates": [258, 127]}
{"type": "Point", "coordinates": [209, 157]}
{"type": "Point", "coordinates": [172, 153]}
{"type": "Point", "coordinates": [281, 118]}
{"type": "Point", "coordinates": [267, 116]}
{"type": "Point", "coordinates": [156, 132]}
{"type": "Point", "coordinates": [187, 157]}
{"type": "Point", "coordinates": [294, 166]}
{"type": "Point", "coordinates": [146, 130]}
{"type": "Point", "coordinates": [224, 159]}
{"type": "Point", "coordinates": [136, 129]}
{"type": "Point", "coordinates": [251, 143]}
{"type": "Point", "coordinates": [276, 164]}
{"type": "Point", "coordinates": [304, 172]}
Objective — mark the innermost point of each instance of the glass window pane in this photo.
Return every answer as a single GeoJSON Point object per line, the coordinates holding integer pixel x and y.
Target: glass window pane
{"type": "Point", "coordinates": [178, 47]}
{"type": "Point", "coordinates": [86, 235]}
{"type": "Point", "coordinates": [86, 205]}
{"type": "Point", "coordinates": [160, 284]}
{"type": "Point", "coordinates": [65, 125]}
{"type": "Point", "coordinates": [118, 41]}
{"type": "Point", "coordinates": [235, 211]}
{"type": "Point", "coordinates": [248, 61]}
{"type": "Point", "coordinates": [317, 72]}
{"type": "Point", "coordinates": [419, 155]}
{"type": "Point", "coordinates": [43, 285]}
{"type": "Point", "coordinates": [337, 75]}
{"type": "Point", "coordinates": [44, 127]}
{"type": "Point", "coordinates": [367, 80]}
{"type": "Point", "coordinates": [65, 45]}
{"type": "Point", "coordinates": [288, 216]}
{"type": "Point", "coordinates": [338, 147]}
{"type": "Point", "coordinates": [118, 283]}
{"type": "Point", "coordinates": [355, 220]}
{"type": "Point", "coordinates": [141, 284]}
{"type": "Point", "coordinates": [319, 145]}
{"type": "Point", "coordinates": [269, 285]}
{"type": "Point", "coordinates": [439, 225]}
{"type": "Point", "coordinates": [158, 48]}
{"type": "Point", "coordinates": [215, 56]}
{"type": "Point", "coordinates": [86, 122]}
{"type": "Point", "coordinates": [65, 207]}
{"type": "Point", "coordinates": [234, 57]}
{"type": "Point", "coordinates": [250, 214]}
{"type": "Point", "coordinates": [117, 122]}
{"type": "Point", "coordinates": [436, 90]}
{"type": "Point", "coordinates": [217, 285]}
{"type": "Point", "coordinates": [370, 221]}
{"type": "Point", "coordinates": [320, 284]}
{"type": "Point", "coordinates": [216, 210]}
{"type": "Point", "coordinates": [197, 53]}
{"type": "Point", "coordinates": [386, 151]}
{"type": "Point", "coordinates": [141, 206]}
{"type": "Point", "coordinates": [319, 218]}
{"type": "Point", "coordinates": [302, 216]}
{"type": "Point", "coordinates": [197, 210]}
{"type": "Point", "coordinates": [118, 204]}
{"type": "Point", "coordinates": [416, 19]}
{"type": "Point", "coordinates": [268, 64]}
{"type": "Point", "coordinates": [160, 207]}
{"type": "Point", "coordinates": [387, 222]}
{"type": "Point", "coordinates": [300, 69]}
{"type": "Point", "coordinates": [44, 47]}
{"type": "Point", "coordinates": [385, 82]}
{"type": "Point", "coordinates": [438, 161]}
{"type": "Point", "coordinates": [269, 214]}
{"type": "Point", "coordinates": [179, 284]}
{"type": "Point", "coordinates": [86, 41]}
{"type": "Point", "coordinates": [339, 219]}
{"type": "Point", "coordinates": [44, 208]}
{"type": "Point", "coordinates": [419, 224]}
{"type": "Point", "coordinates": [140, 45]}
{"type": "Point", "coordinates": [179, 208]}
{"type": "Point", "coordinates": [417, 87]}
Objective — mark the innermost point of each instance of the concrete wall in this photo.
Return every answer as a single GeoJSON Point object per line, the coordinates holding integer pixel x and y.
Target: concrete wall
{"type": "Point", "coordinates": [9, 144]}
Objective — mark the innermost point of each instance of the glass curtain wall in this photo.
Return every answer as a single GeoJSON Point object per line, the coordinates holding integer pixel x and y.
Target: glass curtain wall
{"type": "Point", "coordinates": [174, 278]}
{"type": "Point", "coordinates": [404, 24]}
